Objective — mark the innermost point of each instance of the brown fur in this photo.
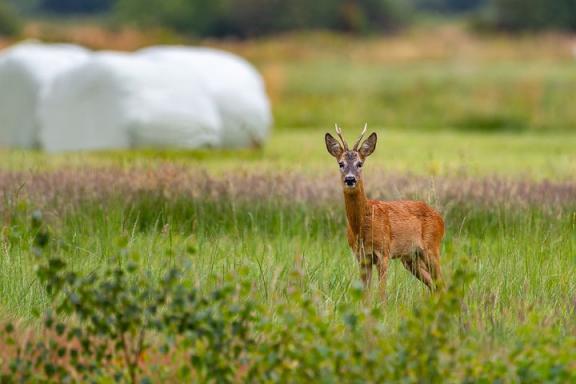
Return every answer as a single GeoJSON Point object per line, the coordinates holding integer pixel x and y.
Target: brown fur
{"type": "Point", "coordinates": [382, 230]}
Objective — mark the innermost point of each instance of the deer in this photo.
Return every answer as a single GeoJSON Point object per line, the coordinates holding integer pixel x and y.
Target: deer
{"type": "Point", "coordinates": [378, 231]}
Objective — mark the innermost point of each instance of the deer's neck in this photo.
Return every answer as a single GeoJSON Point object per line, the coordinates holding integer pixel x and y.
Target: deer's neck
{"type": "Point", "coordinates": [356, 206]}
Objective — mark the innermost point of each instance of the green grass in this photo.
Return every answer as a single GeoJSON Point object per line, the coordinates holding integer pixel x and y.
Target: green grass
{"type": "Point", "coordinates": [524, 260]}
{"type": "Point", "coordinates": [458, 95]}
{"type": "Point", "coordinates": [530, 156]}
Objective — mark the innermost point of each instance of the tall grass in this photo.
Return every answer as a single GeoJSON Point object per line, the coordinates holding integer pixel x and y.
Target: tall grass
{"type": "Point", "coordinates": [522, 251]}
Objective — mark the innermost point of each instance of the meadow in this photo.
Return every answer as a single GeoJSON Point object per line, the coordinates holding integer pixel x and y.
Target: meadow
{"type": "Point", "coordinates": [482, 128]}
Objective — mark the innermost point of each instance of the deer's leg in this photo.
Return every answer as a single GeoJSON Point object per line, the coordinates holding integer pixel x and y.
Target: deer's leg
{"type": "Point", "coordinates": [432, 261]}
{"type": "Point", "coordinates": [382, 265]}
{"type": "Point", "coordinates": [365, 263]}
{"type": "Point", "coordinates": [418, 269]}
{"type": "Point", "coordinates": [425, 275]}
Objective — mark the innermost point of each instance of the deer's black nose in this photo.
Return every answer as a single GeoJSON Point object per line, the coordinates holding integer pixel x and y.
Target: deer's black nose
{"type": "Point", "coordinates": [350, 181]}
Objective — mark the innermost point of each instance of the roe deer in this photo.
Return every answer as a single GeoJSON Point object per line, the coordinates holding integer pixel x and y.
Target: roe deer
{"type": "Point", "coordinates": [382, 230]}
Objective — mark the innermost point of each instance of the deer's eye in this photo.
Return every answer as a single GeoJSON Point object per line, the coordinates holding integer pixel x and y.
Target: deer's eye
{"type": "Point", "coordinates": [341, 164]}
{"type": "Point", "coordinates": [359, 165]}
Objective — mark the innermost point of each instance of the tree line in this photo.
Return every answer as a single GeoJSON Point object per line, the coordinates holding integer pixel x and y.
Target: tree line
{"type": "Point", "coordinates": [248, 18]}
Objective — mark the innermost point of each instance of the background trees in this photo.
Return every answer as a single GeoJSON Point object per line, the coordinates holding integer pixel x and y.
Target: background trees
{"type": "Point", "coordinates": [257, 17]}
{"type": "Point", "coordinates": [516, 15]}
{"type": "Point", "coordinates": [245, 18]}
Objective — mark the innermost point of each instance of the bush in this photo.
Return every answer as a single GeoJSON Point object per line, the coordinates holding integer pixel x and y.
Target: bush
{"type": "Point", "coordinates": [130, 327]}
{"type": "Point", "coordinates": [10, 24]}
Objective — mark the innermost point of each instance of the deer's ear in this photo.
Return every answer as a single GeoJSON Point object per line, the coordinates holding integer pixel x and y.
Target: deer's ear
{"type": "Point", "coordinates": [333, 146]}
{"type": "Point", "coordinates": [368, 146]}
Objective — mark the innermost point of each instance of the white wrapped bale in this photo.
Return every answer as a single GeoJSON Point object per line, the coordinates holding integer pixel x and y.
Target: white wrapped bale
{"type": "Point", "coordinates": [236, 87]}
{"type": "Point", "coordinates": [26, 73]}
{"type": "Point", "coordinates": [118, 100]}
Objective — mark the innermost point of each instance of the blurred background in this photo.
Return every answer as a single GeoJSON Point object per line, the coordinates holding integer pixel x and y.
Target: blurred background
{"type": "Point", "coordinates": [442, 71]}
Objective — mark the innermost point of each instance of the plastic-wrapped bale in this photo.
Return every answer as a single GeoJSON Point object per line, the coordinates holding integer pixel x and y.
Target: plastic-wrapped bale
{"type": "Point", "coordinates": [234, 84]}
{"type": "Point", "coordinates": [118, 100]}
{"type": "Point", "coordinates": [26, 74]}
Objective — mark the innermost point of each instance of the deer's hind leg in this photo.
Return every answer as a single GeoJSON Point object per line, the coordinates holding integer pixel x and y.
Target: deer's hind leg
{"type": "Point", "coordinates": [416, 265]}
{"type": "Point", "coordinates": [431, 260]}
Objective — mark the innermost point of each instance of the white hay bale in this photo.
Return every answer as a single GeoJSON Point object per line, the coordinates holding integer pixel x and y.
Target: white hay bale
{"type": "Point", "coordinates": [236, 87]}
{"type": "Point", "coordinates": [26, 73]}
{"type": "Point", "coordinates": [119, 100]}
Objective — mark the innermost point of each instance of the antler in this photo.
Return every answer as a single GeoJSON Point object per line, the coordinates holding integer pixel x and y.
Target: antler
{"type": "Point", "coordinates": [360, 138]}
{"type": "Point", "coordinates": [339, 132]}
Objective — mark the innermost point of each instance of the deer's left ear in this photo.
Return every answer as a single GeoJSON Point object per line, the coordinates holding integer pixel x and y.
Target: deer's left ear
{"type": "Point", "coordinates": [368, 146]}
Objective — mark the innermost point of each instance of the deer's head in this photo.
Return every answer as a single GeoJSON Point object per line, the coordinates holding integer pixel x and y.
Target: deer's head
{"type": "Point", "coordinates": [352, 160]}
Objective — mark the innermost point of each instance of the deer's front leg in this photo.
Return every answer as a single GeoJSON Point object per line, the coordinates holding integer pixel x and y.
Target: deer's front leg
{"type": "Point", "coordinates": [365, 263]}
{"type": "Point", "coordinates": [364, 259]}
{"type": "Point", "coordinates": [382, 272]}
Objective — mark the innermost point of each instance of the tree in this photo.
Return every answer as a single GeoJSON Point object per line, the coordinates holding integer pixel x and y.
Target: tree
{"type": "Point", "coordinates": [517, 15]}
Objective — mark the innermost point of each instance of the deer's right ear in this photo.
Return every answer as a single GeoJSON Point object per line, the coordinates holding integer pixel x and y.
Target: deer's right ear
{"type": "Point", "coordinates": [333, 146]}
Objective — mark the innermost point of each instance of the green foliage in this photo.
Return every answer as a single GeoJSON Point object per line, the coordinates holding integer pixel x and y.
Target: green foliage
{"type": "Point", "coordinates": [10, 23]}
{"type": "Point", "coordinates": [75, 6]}
{"type": "Point", "coordinates": [259, 17]}
{"type": "Point", "coordinates": [532, 15]}
{"type": "Point", "coordinates": [24, 5]}
{"type": "Point", "coordinates": [451, 6]}
{"type": "Point", "coordinates": [115, 312]}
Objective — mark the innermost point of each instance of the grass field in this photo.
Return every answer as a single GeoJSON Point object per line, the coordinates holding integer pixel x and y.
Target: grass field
{"type": "Point", "coordinates": [535, 156]}
{"type": "Point", "coordinates": [485, 135]}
